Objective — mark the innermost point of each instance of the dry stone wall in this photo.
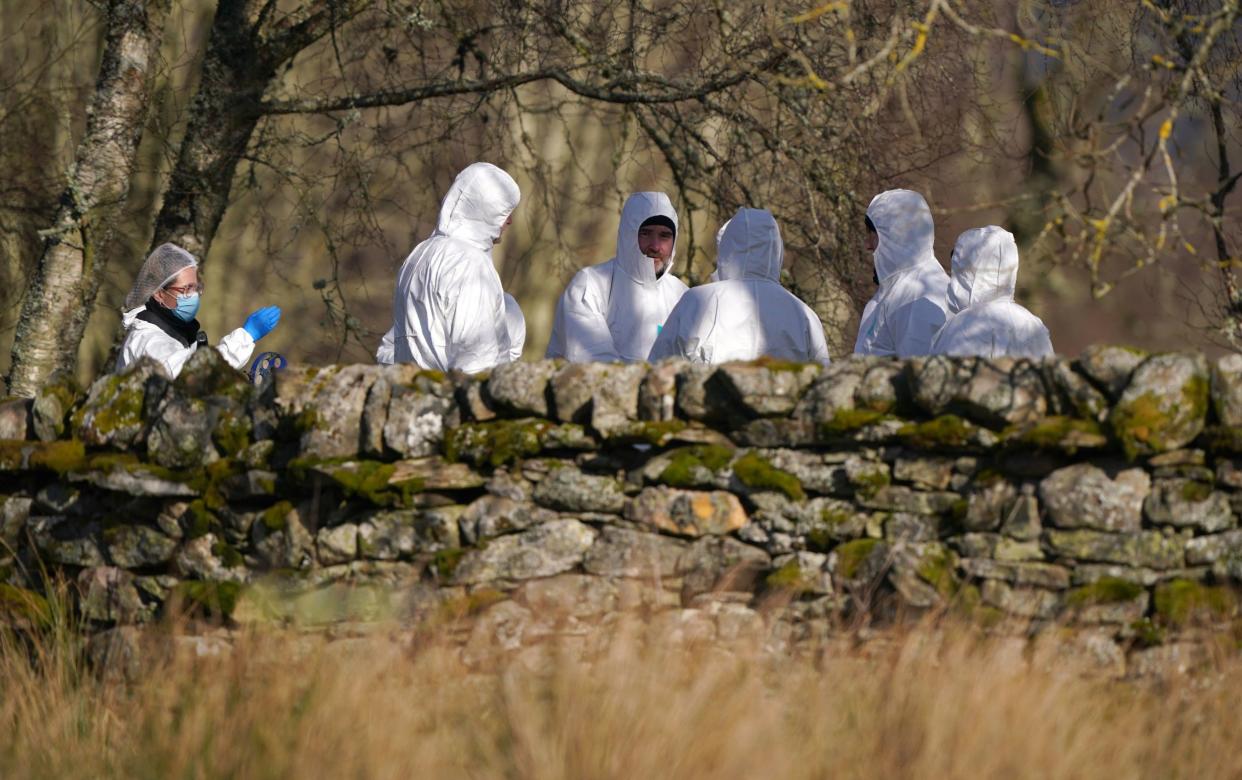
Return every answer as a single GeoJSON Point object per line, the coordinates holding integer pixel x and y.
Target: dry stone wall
{"type": "Point", "coordinates": [1101, 493]}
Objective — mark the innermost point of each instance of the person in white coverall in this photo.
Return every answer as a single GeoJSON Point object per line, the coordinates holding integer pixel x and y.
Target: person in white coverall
{"type": "Point", "coordinates": [449, 311]}
{"type": "Point", "coordinates": [984, 320]}
{"type": "Point", "coordinates": [515, 323]}
{"type": "Point", "coordinates": [160, 313]}
{"type": "Point", "coordinates": [613, 311]}
{"type": "Point", "coordinates": [747, 314]}
{"type": "Point", "coordinates": [904, 314]}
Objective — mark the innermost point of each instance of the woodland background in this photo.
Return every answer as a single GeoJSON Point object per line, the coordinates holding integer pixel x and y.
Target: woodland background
{"type": "Point", "coordinates": [302, 146]}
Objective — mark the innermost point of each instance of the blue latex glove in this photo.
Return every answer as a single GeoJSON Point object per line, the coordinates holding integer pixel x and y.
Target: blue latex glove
{"type": "Point", "coordinates": [262, 321]}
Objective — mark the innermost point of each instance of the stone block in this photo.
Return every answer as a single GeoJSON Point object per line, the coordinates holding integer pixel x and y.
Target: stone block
{"type": "Point", "coordinates": [542, 551]}
{"type": "Point", "coordinates": [687, 512]}
{"type": "Point", "coordinates": [1164, 406]}
{"type": "Point", "coordinates": [570, 490]}
{"type": "Point", "coordinates": [1110, 367]}
{"type": "Point", "coordinates": [1084, 496]}
{"type": "Point", "coordinates": [764, 390]}
{"type": "Point", "coordinates": [521, 388]}
{"type": "Point", "coordinates": [622, 552]}
{"type": "Point", "coordinates": [1185, 503]}
{"type": "Point", "coordinates": [1150, 549]}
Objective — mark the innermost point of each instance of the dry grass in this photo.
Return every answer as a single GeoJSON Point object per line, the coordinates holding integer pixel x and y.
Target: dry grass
{"type": "Point", "coordinates": [923, 704]}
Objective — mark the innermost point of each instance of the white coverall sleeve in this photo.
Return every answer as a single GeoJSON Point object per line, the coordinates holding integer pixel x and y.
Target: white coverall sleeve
{"type": "Point", "coordinates": [386, 354]}
{"type": "Point", "coordinates": [585, 327]}
{"type": "Point", "coordinates": [515, 323]}
{"type": "Point", "coordinates": [818, 345]}
{"type": "Point", "coordinates": [237, 347]}
{"type": "Point", "coordinates": [478, 337]}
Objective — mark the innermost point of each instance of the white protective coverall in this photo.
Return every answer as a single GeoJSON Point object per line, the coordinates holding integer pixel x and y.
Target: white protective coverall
{"type": "Point", "coordinates": [515, 321]}
{"type": "Point", "coordinates": [449, 308]}
{"type": "Point", "coordinates": [904, 314]}
{"type": "Point", "coordinates": [147, 338]}
{"type": "Point", "coordinates": [144, 338]}
{"type": "Point", "coordinates": [747, 314]}
{"type": "Point", "coordinates": [984, 320]}
{"type": "Point", "coordinates": [613, 311]}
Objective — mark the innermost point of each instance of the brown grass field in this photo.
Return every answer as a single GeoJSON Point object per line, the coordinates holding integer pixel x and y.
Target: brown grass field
{"type": "Point", "coordinates": [620, 702]}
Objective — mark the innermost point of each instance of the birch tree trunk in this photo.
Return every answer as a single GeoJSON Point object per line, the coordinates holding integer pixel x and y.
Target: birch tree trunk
{"type": "Point", "coordinates": [62, 290]}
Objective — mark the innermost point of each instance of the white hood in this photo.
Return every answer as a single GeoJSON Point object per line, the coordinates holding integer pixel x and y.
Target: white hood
{"type": "Point", "coordinates": [749, 247]}
{"type": "Point", "coordinates": [906, 230]}
{"type": "Point", "coordinates": [909, 307]}
{"type": "Point", "coordinates": [985, 268]}
{"type": "Point", "coordinates": [984, 320]}
{"type": "Point", "coordinates": [477, 205]}
{"type": "Point", "coordinates": [639, 301]}
{"type": "Point", "coordinates": [746, 314]}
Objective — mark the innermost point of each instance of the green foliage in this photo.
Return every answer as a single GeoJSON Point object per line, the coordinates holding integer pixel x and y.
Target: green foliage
{"type": "Point", "coordinates": [1106, 590]}
{"type": "Point", "coordinates": [754, 471]}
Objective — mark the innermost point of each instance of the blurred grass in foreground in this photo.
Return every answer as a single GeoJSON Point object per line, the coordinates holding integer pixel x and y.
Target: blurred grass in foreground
{"type": "Point", "coordinates": [920, 703]}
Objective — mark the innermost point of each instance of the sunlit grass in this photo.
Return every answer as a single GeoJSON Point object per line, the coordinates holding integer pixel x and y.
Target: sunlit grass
{"type": "Point", "coordinates": [618, 702]}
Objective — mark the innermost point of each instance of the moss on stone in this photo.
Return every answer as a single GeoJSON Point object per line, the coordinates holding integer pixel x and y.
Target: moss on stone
{"type": "Point", "coordinates": [432, 375]}
{"type": "Point", "coordinates": [947, 431]}
{"type": "Point", "coordinates": [1180, 601]}
{"type": "Point", "coordinates": [657, 433]}
{"type": "Point", "coordinates": [1195, 492]}
{"type": "Point", "coordinates": [231, 434]}
{"type": "Point", "coordinates": [684, 461]}
{"type": "Point", "coordinates": [936, 569]}
{"type": "Point", "coordinates": [276, 517]}
{"type": "Point", "coordinates": [215, 598]}
{"type": "Point", "coordinates": [367, 479]}
{"type": "Point", "coordinates": [116, 406]}
{"type": "Point", "coordinates": [851, 556]}
{"type": "Point", "coordinates": [1106, 590]}
{"type": "Point", "coordinates": [846, 421]}
{"type": "Point", "coordinates": [790, 579]}
{"type": "Point", "coordinates": [495, 443]}
{"type": "Point", "coordinates": [754, 471]}
{"type": "Point", "coordinates": [58, 456]}
{"type": "Point", "coordinates": [446, 561]}
{"type": "Point", "coordinates": [1055, 433]}
{"type": "Point", "coordinates": [868, 483]}
{"type": "Point", "coordinates": [1140, 423]}
{"type": "Point", "coordinates": [1147, 633]}
{"type": "Point", "coordinates": [227, 554]}
{"type": "Point", "coordinates": [777, 364]}
{"type": "Point", "coordinates": [1223, 439]}
{"type": "Point", "coordinates": [200, 520]}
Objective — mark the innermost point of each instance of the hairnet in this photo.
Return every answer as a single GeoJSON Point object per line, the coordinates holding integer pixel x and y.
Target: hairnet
{"type": "Point", "coordinates": [160, 267]}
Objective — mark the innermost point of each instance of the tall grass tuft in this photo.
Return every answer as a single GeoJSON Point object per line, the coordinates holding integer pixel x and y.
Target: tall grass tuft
{"type": "Point", "coordinates": [623, 702]}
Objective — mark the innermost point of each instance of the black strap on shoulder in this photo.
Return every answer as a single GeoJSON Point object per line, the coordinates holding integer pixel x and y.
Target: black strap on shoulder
{"type": "Point", "coordinates": [186, 333]}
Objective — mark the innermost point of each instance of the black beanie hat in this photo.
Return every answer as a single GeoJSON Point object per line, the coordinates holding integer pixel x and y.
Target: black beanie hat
{"type": "Point", "coordinates": [661, 220]}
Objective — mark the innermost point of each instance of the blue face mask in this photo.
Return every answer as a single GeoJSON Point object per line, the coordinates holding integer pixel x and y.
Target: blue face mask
{"type": "Point", "coordinates": [187, 307]}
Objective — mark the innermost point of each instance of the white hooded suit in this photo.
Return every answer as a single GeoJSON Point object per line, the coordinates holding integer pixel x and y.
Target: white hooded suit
{"type": "Point", "coordinates": [449, 308]}
{"type": "Point", "coordinates": [144, 339]}
{"type": "Point", "coordinates": [747, 314]}
{"type": "Point", "coordinates": [515, 321]}
{"type": "Point", "coordinates": [984, 320]}
{"type": "Point", "coordinates": [904, 314]}
{"type": "Point", "coordinates": [613, 311]}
